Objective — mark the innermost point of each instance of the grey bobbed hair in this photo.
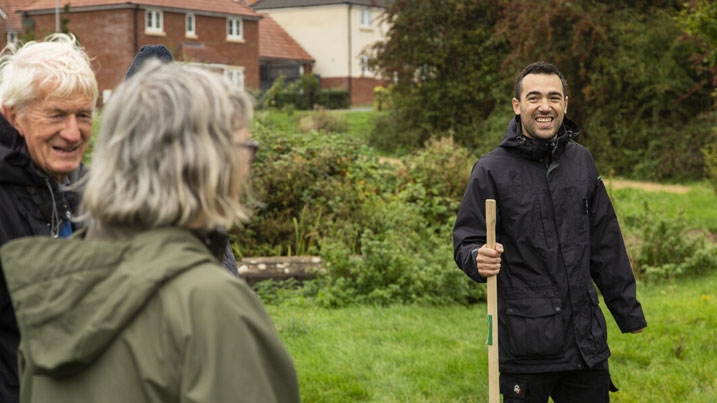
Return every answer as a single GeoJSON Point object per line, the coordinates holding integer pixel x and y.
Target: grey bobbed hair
{"type": "Point", "coordinates": [165, 153]}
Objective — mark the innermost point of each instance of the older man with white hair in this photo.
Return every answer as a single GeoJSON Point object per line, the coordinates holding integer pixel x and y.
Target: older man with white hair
{"type": "Point", "coordinates": [48, 93]}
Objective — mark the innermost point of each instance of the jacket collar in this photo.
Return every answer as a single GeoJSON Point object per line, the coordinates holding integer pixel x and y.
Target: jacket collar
{"type": "Point", "coordinates": [215, 241]}
{"type": "Point", "coordinates": [537, 149]}
{"type": "Point", "coordinates": [16, 166]}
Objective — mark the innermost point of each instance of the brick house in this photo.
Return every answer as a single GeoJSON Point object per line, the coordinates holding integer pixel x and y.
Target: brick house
{"type": "Point", "coordinates": [10, 21]}
{"type": "Point", "coordinates": [335, 33]}
{"type": "Point", "coordinates": [219, 34]}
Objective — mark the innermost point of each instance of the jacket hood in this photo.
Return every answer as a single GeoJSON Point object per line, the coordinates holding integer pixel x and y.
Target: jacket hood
{"type": "Point", "coordinates": [72, 297]}
{"type": "Point", "coordinates": [538, 149]}
{"type": "Point", "coordinates": [16, 166]}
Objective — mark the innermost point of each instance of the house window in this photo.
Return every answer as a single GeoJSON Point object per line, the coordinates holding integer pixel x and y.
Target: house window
{"type": "Point", "coordinates": [234, 28]}
{"type": "Point", "coordinates": [236, 76]}
{"type": "Point", "coordinates": [190, 25]}
{"type": "Point", "coordinates": [365, 18]}
{"type": "Point", "coordinates": [364, 64]}
{"type": "Point", "coordinates": [153, 21]}
{"type": "Point", "coordinates": [12, 38]}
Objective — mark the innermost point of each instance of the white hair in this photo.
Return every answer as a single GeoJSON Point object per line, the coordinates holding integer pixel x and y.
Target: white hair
{"type": "Point", "coordinates": [166, 154]}
{"type": "Point", "coordinates": [57, 67]}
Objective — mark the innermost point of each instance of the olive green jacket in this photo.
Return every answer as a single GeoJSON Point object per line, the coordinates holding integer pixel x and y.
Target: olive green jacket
{"type": "Point", "coordinates": [150, 317]}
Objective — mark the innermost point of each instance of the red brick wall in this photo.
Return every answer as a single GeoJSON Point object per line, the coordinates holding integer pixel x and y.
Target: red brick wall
{"type": "Point", "coordinates": [361, 87]}
{"type": "Point", "coordinates": [113, 37]}
{"type": "Point", "coordinates": [106, 35]}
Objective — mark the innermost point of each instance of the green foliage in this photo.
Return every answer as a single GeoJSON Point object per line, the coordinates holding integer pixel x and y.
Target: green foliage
{"type": "Point", "coordinates": [640, 76]}
{"type": "Point", "coordinates": [445, 62]}
{"type": "Point", "coordinates": [710, 155]}
{"type": "Point", "coordinates": [641, 126]}
{"type": "Point", "coordinates": [383, 226]}
{"type": "Point", "coordinates": [699, 20]}
{"type": "Point", "coordinates": [270, 98]}
{"type": "Point", "coordinates": [401, 260]}
{"type": "Point", "coordinates": [667, 250]}
{"type": "Point", "coordinates": [303, 94]}
{"type": "Point", "coordinates": [334, 99]}
{"type": "Point", "coordinates": [382, 98]}
{"type": "Point", "coordinates": [305, 185]}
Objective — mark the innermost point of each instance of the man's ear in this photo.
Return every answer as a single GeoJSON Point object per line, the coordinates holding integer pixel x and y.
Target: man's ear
{"type": "Point", "coordinates": [516, 106]}
{"type": "Point", "coordinates": [10, 114]}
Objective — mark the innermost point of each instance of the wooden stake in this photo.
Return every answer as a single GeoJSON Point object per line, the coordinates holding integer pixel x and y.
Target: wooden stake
{"type": "Point", "coordinates": [493, 371]}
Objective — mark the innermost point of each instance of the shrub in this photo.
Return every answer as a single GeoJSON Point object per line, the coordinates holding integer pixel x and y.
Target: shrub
{"type": "Point", "coordinates": [383, 230]}
{"type": "Point", "coordinates": [401, 260]}
{"type": "Point", "coordinates": [301, 94]}
{"type": "Point", "coordinates": [382, 98]}
{"type": "Point", "coordinates": [303, 184]}
{"type": "Point", "coordinates": [710, 155]}
{"type": "Point", "coordinates": [666, 250]}
{"type": "Point", "coordinates": [334, 99]}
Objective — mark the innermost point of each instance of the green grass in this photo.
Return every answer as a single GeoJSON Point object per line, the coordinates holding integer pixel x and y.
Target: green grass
{"type": "Point", "coordinates": [698, 205]}
{"type": "Point", "coordinates": [359, 122]}
{"type": "Point", "coordinates": [438, 354]}
{"type": "Point", "coordinates": [390, 354]}
{"type": "Point", "coordinates": [675, 359]}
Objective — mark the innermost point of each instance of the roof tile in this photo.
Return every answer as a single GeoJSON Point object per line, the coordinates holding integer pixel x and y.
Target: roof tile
{"type": "Point", "coordinates": [14, 20]}
{"type": "Point", "coordinates": [236, 7]}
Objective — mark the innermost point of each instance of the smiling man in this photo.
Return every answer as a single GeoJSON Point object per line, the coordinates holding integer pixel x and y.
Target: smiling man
{"type": "Point", "coordinates": [557, 238]}
{"type": "Point", "coordinates": [47, 99]}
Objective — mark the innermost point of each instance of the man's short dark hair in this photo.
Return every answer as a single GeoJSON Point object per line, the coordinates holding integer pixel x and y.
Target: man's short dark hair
{"type": "Point", "coordinates": [539, 68]}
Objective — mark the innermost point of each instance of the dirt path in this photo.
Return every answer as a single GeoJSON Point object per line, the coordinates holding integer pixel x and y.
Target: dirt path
{"type": "Point", "coordinates": [648, 186]}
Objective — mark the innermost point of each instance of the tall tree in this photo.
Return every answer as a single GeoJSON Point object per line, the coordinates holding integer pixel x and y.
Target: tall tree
{"type": "Point", "coordinates": [632, 82]}
{"type": "Point", "coordinates": [444, 62]}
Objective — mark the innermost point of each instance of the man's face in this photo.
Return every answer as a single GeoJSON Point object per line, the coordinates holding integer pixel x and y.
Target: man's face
{"type": "Point", "coordinates": [57, 132]}
{"type": "Point", "coordinates": [542, 105]}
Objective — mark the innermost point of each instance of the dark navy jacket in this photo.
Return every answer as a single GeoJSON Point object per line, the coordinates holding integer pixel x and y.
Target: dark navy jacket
{"type": "Point", "coordinates": [31, 203]}
{"type": "Point", "coordinates": [560, 236]}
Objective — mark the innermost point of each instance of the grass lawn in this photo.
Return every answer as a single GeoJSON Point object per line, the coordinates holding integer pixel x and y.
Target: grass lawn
{"type": "Point", "coordinates": [438, 354]}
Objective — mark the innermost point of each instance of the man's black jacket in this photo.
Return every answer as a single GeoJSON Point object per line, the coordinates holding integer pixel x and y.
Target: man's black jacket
{"type": "Point", "coordinates": [560, 235]}
{"type": "Point", "coordinates": [31, 203]}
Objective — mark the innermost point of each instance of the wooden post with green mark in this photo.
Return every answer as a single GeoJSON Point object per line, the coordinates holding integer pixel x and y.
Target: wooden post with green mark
{"type": "Point", "coordinates": [493, 371]}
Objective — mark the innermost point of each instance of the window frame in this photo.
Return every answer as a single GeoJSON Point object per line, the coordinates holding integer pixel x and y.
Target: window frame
{"type": "Point", "coordinates": [157, 20]}
{"type": "Point", "coordinates": [238, 25]}
{"type": "Point", "coordinates": [365, 17]}
{"type": "Point", "coordinates": [236, 76]}
{"type": "Point", "coordinates": [12, 37]}
{"type": "Point", "coordinates": [193, 31]}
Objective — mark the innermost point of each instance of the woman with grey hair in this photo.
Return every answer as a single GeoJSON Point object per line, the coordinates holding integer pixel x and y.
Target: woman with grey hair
{"type": "Point", "coordinates": [137, 308]}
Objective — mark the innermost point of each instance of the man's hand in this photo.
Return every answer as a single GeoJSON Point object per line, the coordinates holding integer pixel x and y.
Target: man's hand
{"type": "Point", "coordinates": [488, 260]}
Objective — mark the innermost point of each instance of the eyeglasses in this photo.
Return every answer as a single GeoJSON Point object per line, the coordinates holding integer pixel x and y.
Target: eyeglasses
{"type": "Point", "coordinates": [250, 145]}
